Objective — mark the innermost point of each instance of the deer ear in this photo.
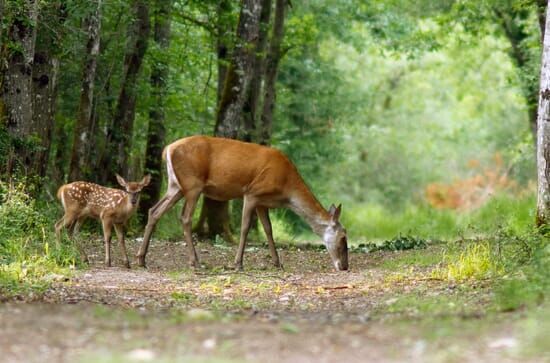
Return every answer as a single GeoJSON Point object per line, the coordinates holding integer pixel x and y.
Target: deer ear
{"type": "Point", "coordinates": [335, 212]}
{"type": "Point", "coordinates": [331, 210]}
{"type": "Point", "coordinates": [146, 180]}
{"type": "Point", "coordinates": [121, 180]}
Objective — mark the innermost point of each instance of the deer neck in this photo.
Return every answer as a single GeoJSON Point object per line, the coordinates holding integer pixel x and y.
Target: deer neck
{"type": "Point", "coordinates": [308, 207]}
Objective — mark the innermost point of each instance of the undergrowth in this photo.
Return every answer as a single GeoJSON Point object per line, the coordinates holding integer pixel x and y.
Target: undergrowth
{"type": "Point", "coordinates": [30, 257]}
{"type": "Point", "coordinates": [376, 222]}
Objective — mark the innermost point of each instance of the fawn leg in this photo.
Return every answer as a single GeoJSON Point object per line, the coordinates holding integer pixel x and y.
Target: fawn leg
{"type": "Point", "coordinates": [76, 230]}
{"type": "Point", "coordinates": [107, 229]}
{"type": "Point", "coordinates": [119, 229]}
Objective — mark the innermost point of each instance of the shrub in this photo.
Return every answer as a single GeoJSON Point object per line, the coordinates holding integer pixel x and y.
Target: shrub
{"type": "Point", "coordinates": [477, 262]}
{"type": "Point", "coordinates": [27, 258]}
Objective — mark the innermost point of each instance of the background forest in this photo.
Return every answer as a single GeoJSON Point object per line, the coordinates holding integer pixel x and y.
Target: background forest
{"type": "Point", "coordinates": [420, 117]}
{"type": "Point", "coordinates": [427, 107]}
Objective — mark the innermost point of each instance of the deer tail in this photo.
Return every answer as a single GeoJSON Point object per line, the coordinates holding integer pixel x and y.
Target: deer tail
{"type": "Point", "coordinates": [61, 196]}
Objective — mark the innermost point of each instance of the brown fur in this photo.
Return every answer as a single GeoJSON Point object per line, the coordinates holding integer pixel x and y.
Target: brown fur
{"type": "Point", "coordinates": [113, 207]}
{"type": "Point", "coordinates": [225, 169]}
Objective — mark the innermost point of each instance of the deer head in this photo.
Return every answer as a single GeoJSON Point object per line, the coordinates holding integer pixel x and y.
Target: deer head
{"type": "Point", "coordinates": [133, 188]}
{"type": "Point", "coordinates": [335, 238]}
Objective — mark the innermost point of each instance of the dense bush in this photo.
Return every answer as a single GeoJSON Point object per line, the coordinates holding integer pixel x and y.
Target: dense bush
{"type": "Point", "coordinates": [30, 257]}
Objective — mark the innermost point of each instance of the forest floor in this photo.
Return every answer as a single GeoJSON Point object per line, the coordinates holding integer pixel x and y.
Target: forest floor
{"type": "Point", "coordinates": [388, 308]}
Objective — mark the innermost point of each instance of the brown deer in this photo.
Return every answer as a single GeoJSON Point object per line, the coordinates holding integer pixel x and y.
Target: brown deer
{"type": "Point", "coordinates": [113, 207]}
{"type": "Point", "coordinates": [225, 169]}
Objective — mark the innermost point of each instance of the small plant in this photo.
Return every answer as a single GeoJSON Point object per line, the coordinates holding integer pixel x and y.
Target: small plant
{"type": "Point", "coordinates": [399, 243]}
{"type": "Point", "coordinates": [28, 262]}
{"type": "Point", "coordinates": [476, 262]}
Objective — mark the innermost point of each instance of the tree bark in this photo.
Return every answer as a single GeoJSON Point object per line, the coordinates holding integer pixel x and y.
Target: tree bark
{"type": "Point", "coordinates": [250, 108]}
{"type": "Point", "coordinates": [83, 137]}
{"type": "Point", "coordinates": [156, 131]}
{"type": "Point", "coordinates": [215, 214]}
{"type": "Point", "coordinates": [120, 142]}
{"type": "Point", "coordinates": [543, 136]}
{"type": "Point", "coordinates": [45, 77]}
{"type": "Point", "coordinates": [272, 66]}
{"type": "Point", "coordinates": [17, 85]}
{"type": "Point", "coordinates": [239, 72]}
{"type": "Point", "coordinates": [231, 98]}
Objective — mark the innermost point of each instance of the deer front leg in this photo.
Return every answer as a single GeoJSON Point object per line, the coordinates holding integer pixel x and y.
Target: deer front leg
{"type": "Point", "coordinates": [167, 202]}
{"type": "Point", "coordinates": [263, 214]}
{"type": "Point", "coordinates": [119, 229]}
{"type": "Point", "coordinates": [248, 208]}
{"type": "Point", "coordinates": [191, 199]}
{"type": "Point", "coordinates": [107, 229]}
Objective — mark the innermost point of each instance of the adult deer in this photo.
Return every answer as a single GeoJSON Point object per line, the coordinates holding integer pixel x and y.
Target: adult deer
{"type": "Point", "coordinates": [113, 207]}
{"type": "Point", "coordinates": [264, 177]}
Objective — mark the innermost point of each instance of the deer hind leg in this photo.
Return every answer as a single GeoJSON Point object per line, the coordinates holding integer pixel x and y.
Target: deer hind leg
{"type": "Point", "coordinates": [119, 229]}
{"type": "Point", "coordinates": [191, 199]}
{"type": "Point", "coordinates": [249, 206]}
{"type": "Point", "coordinates": [107, 229]}
{"type": "Point", "coordinates": [75, 234]}
{"type": "Point", "coordinates": [263, 214]}
{"type": "Point", "coordinates": [66, 221]}
{"type": "Point", "coordinates": [172, 197]}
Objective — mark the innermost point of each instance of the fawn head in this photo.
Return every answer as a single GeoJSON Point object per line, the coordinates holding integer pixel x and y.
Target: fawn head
{"type": "Point", "coordinates": [133, 188]}
{"type": "Point", "coordinates": [336, 240]}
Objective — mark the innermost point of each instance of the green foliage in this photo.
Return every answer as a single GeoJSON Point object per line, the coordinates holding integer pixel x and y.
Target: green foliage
{"type": "Point", "coordinates": [503, 212]}
{"type": "Point", "coordinates": [528, 282]}
{"type": "Point", "coordinates": [28, 259]}
{"type": "Point", "coordinates": [400, 243]}
{"type": "Point", "coordinates": [476, 262]}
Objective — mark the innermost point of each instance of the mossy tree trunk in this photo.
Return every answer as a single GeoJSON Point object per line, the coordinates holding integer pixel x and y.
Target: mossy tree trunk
{"type": "Point", "coordinates": [119, 138]}
{"type": "Point", "coordinates": [156, 131]}
{"type": "Point", "coordinates": [236, 83]}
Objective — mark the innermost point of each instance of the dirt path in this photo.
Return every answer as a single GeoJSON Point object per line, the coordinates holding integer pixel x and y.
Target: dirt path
{"type": "Point", "coordinates": [306, 313]}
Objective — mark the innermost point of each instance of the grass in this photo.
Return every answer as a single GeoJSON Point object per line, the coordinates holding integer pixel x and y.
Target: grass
{"type": "Point", "coordinates": [30, 259]}
{"type": "Point", "coordinates": [475, 262]}
{"type": "Point", "coordinates": [377, 222]}
{"type": "Point", "coordinates": [414, 258]}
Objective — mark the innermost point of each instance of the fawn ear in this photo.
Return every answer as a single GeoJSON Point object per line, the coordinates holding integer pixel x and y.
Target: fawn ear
{"type": "Point", "coordinates": [146, 180]}
{"type": "Point", "coordinates": [121, 181]}
{"type": "Point", "coordinates": [335, 212]}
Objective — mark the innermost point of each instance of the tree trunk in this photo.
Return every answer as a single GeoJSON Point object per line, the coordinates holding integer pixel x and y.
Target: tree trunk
{"type": "Point", "coordinates": [215, 214]}
{"type": "Point", "coordinates": [83, 137]}
{"type": "Point", "coordinates": [60, 155]}
{"type": "Point", "coordinates": [239, 72]}
{"type": "Point", "coordinates": [16, 92]}
{"type": "Point", "coordinates": [223, 28]}
{"type": "Point", "coordinates": [250, 108]}
{"type": "Point", "coordinates": [236, 81]}
{"type": "Point", "coordinates": [543, 137]}
{"type": "Point", "coordinates": [272, 66]}
{"type": "Point", "coordinates": [45, 77]}
{"type": "Point", "coordinates": [156, 131]}
{"type": "Point", "coordinates": [120, 144]}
